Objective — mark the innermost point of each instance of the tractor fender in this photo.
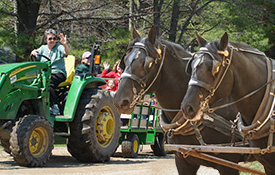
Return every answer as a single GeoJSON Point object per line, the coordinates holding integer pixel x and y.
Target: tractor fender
{"type": "Point", "coordinates": [78, 85]}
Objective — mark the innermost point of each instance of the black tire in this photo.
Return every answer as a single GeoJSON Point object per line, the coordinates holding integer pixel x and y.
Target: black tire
{"type": "Point", "coordinates": [159, 145]}
{"type": "Point", "coordinates": [31, 141]}
{"type": "Point", "coordinates": [95, 131]}
{"type": "Point", "coordinates": [130, 146]}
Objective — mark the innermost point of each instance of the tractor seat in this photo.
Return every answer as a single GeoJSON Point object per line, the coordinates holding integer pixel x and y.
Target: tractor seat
{"type": "Point", "coordinates": [70, 70]}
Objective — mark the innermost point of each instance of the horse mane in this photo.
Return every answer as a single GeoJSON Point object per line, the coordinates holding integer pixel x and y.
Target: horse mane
{"type": "Point", "coordinates": [240, 45]}
{"type": "Point", "coordinates": [176, 50]}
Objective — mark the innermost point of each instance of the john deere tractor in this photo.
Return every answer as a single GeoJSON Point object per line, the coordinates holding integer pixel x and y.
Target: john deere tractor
{"type": "Point", "coordinates": [88, 119]}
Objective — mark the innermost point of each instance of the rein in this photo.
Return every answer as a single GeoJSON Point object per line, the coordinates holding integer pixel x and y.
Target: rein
{"type": "Point", "coordinates": [211, 110]}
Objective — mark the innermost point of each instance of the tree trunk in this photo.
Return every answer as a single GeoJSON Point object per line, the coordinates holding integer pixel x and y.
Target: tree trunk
{"type": "Point", "coordinates": [157, 11]}
{"type": "Point", "coordinates": [174, 21]}
{"type": "Point", "coordinates": [27, 12]}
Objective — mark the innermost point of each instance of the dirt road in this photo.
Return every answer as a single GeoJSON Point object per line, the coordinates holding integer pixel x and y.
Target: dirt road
{"type": "Point", "coordinates": [62, 163]}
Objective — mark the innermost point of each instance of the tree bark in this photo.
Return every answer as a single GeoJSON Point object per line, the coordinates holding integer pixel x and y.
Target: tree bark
{"type": "Point", "coordinates": [157, 12]}
{"type": "Point", "coordinates": [174, 21]}
{"type": "Point", "coordinates": [27, 11]}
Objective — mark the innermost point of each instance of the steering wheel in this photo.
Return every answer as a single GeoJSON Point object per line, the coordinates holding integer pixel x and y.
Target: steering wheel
{"type": "Point", "coordinates": [34, 58]}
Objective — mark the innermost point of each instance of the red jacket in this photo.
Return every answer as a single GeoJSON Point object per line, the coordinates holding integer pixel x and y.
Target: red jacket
{"type": "Point", "coordinates": [111, 74]}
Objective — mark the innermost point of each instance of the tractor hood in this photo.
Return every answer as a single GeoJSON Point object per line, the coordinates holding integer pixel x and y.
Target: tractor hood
{"type": "Point", "coordinates": [21, 71]}
{"type": "Point", "coordinates": [15, 68]}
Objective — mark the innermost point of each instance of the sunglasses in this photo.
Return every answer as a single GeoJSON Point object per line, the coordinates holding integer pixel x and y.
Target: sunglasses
{"type": "Point", "coordinates": [54, 38]}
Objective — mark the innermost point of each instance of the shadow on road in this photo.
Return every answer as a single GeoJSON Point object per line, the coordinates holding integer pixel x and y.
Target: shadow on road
{"type": "Point", "coordinates": [67, 161]}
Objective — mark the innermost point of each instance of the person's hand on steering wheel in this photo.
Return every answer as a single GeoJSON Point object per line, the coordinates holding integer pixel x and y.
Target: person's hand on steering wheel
{"type": "Point", "coordinates": [35, 52]}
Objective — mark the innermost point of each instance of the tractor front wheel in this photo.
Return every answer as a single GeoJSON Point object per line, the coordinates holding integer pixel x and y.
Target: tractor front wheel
{"type": "Point", "coordinates": [31, 141]}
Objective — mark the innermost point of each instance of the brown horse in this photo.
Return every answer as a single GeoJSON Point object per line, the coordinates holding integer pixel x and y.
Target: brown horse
{"type": "Point", "coordinates": [228, 69]}
{"type": "Point", "coordinates": [157, 66]}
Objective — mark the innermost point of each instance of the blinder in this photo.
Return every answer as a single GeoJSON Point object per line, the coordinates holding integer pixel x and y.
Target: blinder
{"type": "Point", "coordinates": [148, 61]}
{"type": "Point", "coordinates": [198, 59]}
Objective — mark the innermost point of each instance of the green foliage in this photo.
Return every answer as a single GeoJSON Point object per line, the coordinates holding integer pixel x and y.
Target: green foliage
{"type": "Point", "coordinates": [246, 23]}
{"type": "Point", "coordinates": [9, 39]}
{"type": "Point", "coordinates": [116, 45]}
{"type": "Point", "coordinates": [254, 165]}
{"type": "Point", "coordinates": [79, 45]}
{"type": "Point", "coordinates": [112, 48]}
{"type": "Point", "coordinates": [249, 21]}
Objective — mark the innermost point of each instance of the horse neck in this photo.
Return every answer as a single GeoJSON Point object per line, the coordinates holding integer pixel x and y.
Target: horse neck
{"type": "Point", "coordinates": [172, 84]}
{"type": "Point", "coordinates": [249, 74]}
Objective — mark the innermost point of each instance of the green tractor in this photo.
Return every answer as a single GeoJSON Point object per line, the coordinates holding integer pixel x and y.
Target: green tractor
{"type": "Point", "coordinates": [88, 119]}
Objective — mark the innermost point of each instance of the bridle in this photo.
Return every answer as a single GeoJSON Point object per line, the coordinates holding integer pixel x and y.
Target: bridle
{"type": "Point", "coordinates": [226, 62]}
{"type": "Point", "coordinates": [128, 74]}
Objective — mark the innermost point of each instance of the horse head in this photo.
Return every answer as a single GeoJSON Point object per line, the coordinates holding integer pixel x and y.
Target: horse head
{"type": "Point", "coordinates": [209, 72]}
{"type": "Point", "coordinates": [141, 64]}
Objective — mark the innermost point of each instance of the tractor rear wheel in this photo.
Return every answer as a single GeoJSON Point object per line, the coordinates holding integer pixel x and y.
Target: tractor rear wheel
{"type": "Point", "coordinates": [95, 131]}
{"type": "Point", "coordinates": [130, 146]}
{"type": "Point", "coordinates": [31, 141]}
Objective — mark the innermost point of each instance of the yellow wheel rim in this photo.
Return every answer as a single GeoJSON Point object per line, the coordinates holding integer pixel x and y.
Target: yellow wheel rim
{"type": "Point", "coordinates": [135, 146]}
{"type": "Point", "coordinates": [105, 128]}
{"type": "Point", "coordinates": [38, 141]}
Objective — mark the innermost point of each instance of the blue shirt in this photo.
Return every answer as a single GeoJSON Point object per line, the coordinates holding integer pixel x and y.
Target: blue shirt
{"type": "Point", "coordinates": [56, 56]}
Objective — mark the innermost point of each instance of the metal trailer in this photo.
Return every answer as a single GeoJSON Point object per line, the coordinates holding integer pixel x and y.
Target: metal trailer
{"type": "Point", "coordinates": [142, 128]}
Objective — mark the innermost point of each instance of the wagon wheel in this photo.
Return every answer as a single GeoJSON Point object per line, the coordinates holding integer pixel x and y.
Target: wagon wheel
{"type": "Point", "coordinates": [31, 141]}
{"type": "Point", "coordinates": [130, 146]}
{"type": "Point", "coordinates": [159, 145]}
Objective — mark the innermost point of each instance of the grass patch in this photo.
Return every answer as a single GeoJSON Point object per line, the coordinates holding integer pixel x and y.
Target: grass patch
{"type": "Point", "coordinates": [253, 165]}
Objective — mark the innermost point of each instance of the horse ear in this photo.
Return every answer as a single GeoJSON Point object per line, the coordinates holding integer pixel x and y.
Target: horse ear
{"type": "Point", "coordinates": [223, 42]}
{"type": "Point", "coordinates": [202, 42]}
{"type": "Point", "coordinates": [152, 35]}
{"type": "Point", "coordinates": [135, 33]}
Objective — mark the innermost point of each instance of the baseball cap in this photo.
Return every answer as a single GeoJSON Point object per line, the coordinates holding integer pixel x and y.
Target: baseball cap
{"type": "Point", "coordinates": [86, 54]}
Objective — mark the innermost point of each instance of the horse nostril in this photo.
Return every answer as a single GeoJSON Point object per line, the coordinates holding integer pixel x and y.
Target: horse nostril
{"type": "Point", "coordinates": [188, 111]}
{"type": "Point", "coordinates": [125, 103]}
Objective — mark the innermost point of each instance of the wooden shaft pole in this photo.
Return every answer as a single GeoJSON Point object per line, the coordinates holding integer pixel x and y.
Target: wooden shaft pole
{"type": "Point", "coordinates": [219, 161]}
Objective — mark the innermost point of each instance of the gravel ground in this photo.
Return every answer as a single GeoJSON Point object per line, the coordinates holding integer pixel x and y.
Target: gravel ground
{"type": "Point", "coordinates": [62, 163]}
